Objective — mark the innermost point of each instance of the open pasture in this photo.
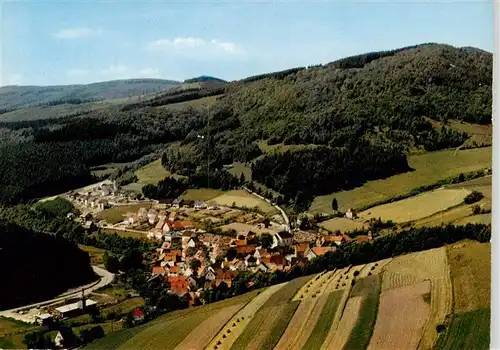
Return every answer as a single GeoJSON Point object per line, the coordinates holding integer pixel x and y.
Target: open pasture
{"type": "Point", "coordinates": [343, 225]}
{"type": "Point", "coordinates": [468, 330]}
{"type": "Point", "coordinates": [429, 168]}
{"type": "Point", "coordinates": [244, 199]}
{"type": "Point", "coordinates": [417, 207]}
{"type": "Point", "coordinates": [202, 194]}
{"type": "Point", "coordinates": [401, 317]}
{"type": "Point", "coordinates": [470, 269]}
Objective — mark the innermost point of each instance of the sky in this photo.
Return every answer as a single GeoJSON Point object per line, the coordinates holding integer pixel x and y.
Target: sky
{"type": "Point", "coordinates": [79, 42]}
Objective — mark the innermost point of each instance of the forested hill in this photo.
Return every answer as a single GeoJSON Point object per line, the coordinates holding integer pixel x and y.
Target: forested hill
{"type": "Point", "coordinates": [349, 121]}
{"type": "Point", "coordinates": [13, 97]}
{"type": "Point", "coordinates": [365, 111]}
{"type": "Point", "coordinates": [36, 267]}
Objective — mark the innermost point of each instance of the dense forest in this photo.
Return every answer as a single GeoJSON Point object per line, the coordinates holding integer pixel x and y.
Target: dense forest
{"type": "Point", "coordinates": [40, 266]}
{"type": "Point", "coordinates": [349, 121]}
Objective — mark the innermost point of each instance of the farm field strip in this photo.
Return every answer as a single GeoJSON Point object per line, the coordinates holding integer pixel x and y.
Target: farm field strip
{"type": "Point", "coordinates": [470, 272]}
{"type": "Point", "coordinates": [417, 207]}
{"type": "Point", "coordinates": [369, 289]}
{"type": "Point", "coordinates": [339, 314]}
{"type": "Point", "coordinates": [287, 292]}
{"type": "Point", "coordinates": [280, 325]}
{"type": "Point", "coordinates": [206, 330]}
{"type": "Point", "coordinates": [345, 325]}
{"type": "Point", "coordinates": [315, 287]}
{"type": "Point", "coordinates": [241, 319]}
{"type": "Point", "coordinates": [296, 324]}
{"type": "Point", "coordinates": [259, 328]}
{"type": "Point", "coordinates": [311, 319]}
{"type": "Point", "coordinates": [323, 325]}
{"type": "Point", "coordinates": [429, 265]}
{"type": "Point", "coordinates": [401, 329]}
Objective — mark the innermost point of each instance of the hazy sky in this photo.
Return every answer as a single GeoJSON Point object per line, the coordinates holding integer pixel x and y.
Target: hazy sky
{"type": "Point", "coordinates": [46, 43]}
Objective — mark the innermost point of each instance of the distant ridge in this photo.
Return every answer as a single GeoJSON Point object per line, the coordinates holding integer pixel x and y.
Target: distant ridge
{"type": "Point", "coordinates": [204, 79]}
{"type": "Point", "coordinates": [14, 96]}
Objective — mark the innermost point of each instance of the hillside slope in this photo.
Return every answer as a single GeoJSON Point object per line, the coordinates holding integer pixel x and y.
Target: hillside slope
{"type": "Point", "coordinates": [38, 266]}
{"type": "Point", "coordinates": [13, 97]}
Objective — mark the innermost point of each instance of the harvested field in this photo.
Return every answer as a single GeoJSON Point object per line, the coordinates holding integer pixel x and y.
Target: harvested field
{"type": "Point", "coordinates": [468, 330]}
{"type": "Point", "coordinates": [346, 324]}
{"type": "Point", "coordinates": [402, 329]}
{"type": "Point", "coordinates": [244, 199]}
{"type": "Point", "coordinates": [207, 329]}
{"type": "Point", "coordinates": [429, 168]}
{"type": "Point", "coordinates": [326, 317]}
{"type": "Point", "coordinates": [475, 219]}
{"type": "Point", "coordinates": [417, 207]}
{"type": "Point", "coordinates": [241, 319]}
{"type": "Point", "coordinates": [202, 194]}
{"type": "Point", "coordinates": [343, 225]}
{"type": "Point", "coordinates": [426, 265]}
{"type": "Point", "coordinates": [470, 265]}
{"type": "Point", "coordinates": [315, 287]}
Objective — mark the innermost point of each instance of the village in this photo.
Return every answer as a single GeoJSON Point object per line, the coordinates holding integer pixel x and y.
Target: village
{"type": "Point", "coordinates": [203, 244]}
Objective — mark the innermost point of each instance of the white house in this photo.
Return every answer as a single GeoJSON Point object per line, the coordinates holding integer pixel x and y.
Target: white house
{"type": "Point", "coordinates": [198, 204]}
{"type": "Point", "coordinates": [351, 214]}
{"type": "Point", "coordinates": [152, 216]}
{"type": "Point", "coordinates": [282, 239]}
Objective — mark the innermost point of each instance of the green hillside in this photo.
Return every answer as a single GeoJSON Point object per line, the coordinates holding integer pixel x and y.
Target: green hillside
{"type": "Point", "coordinates": [344, 123]}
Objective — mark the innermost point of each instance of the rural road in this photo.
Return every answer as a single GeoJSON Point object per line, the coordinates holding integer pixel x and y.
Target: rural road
{"type": "Point", "coordinates": [285, 217]}
{"type": "Point", "coordinates": [106, 278]}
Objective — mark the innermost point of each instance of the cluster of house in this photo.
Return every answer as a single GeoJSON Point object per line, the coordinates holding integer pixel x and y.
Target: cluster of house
{"type": "Point", "coordinates": [221, 258]}
{"type": "Point", "coordinates": [102, 197]}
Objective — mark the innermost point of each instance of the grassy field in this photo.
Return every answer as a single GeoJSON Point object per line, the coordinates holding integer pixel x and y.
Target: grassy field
{"type": "Point", "coordinates": [470, 269]}
{"type": "Point", "coordinates": [200, 102]}
{"type": "Point", "coordinates": [414, 208]}
{"type": "Point", "coordinates": [244, 199]}
{"type": "Point", "coordinates": [342, 224]}
{"type": "Point", "coordinates": [124, 306]}
{"type": "Point", "coordinates": [95, 254]}
{"type": "Point", "coordinates": [12, 333]}
{"type": "Point", "coordinates": [152, 173]}
{"type": "Point", "coordinates": [429, 168]}
{"type": "Point", "coordinates": [202, 194]}
{"type": "Point", "coordinates": [468, 330]}
{"type": "Point", "coordinates": [115, 214]}
{"type": "Point", "coordinates": [322, 327]}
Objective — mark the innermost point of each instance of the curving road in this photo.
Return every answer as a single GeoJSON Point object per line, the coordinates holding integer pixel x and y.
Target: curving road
{"type": "Point", "coordinates": [106, 278]}
{"type": "Point", "coordinates": [285, 217]}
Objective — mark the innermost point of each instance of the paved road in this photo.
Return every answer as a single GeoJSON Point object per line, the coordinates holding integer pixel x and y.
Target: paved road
{"type": "Point", "coordinates": [285, 217]}
{"type": "Point", "coordinates": [106, 278]}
